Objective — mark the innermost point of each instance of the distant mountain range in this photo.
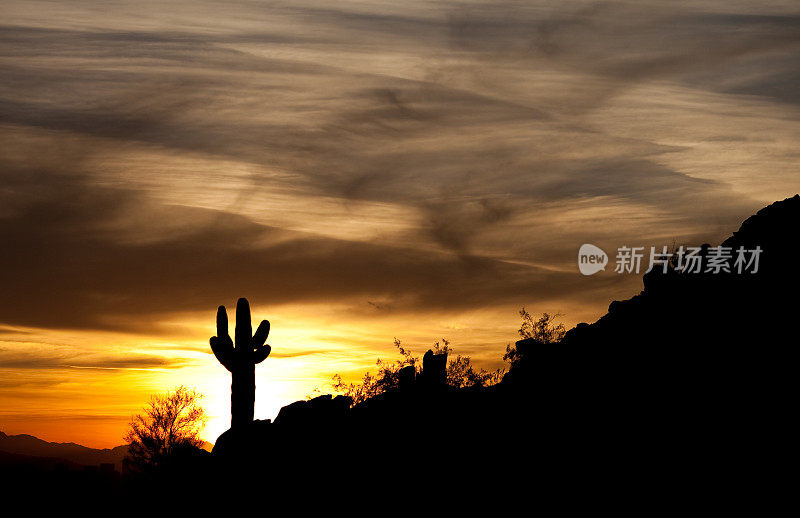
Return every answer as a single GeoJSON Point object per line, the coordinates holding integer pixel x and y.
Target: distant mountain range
{"type": "Point", "coordinates": [27, 449]}
{"type": "Point", "coordinates": [16, 447]}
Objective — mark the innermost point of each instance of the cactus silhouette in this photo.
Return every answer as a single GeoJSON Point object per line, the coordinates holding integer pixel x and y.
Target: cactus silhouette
{"type": "Point", "coordinates": [240, 358]}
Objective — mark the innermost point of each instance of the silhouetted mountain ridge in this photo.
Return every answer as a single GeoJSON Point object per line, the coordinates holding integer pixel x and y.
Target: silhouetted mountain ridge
{"type": "Point", "coordinates": [28, 445]}
{"type": "Point", "coordinates": [712, 310]}
{"type": "Point", "coordinates": [686, 372]}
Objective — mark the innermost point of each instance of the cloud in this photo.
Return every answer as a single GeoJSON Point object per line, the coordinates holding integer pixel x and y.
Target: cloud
{"type": "Point", "coordinates": [16, 360]}
{"type": "Point", "coordinates": [74, 269]}
{"type": "Point", "coordinates": [297, 354]}
{"type": "Point", "coordinates": [156, 167]}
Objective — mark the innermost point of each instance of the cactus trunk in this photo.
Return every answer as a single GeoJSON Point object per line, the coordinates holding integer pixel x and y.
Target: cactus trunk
{"type": "Point", "coordinates": [243, 394]}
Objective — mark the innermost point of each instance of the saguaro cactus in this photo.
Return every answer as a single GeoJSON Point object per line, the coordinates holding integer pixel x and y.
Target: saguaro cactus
{"type": "Point", "coordinates": [241, 359]}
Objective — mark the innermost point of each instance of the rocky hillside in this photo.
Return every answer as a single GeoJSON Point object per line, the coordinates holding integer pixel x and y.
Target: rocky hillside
{"type": "Point", "coordinates": [695, 366]}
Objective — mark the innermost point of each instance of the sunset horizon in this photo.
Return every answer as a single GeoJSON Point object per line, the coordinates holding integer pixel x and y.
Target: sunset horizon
{"type": "Point", "coordinates": [358, 173]}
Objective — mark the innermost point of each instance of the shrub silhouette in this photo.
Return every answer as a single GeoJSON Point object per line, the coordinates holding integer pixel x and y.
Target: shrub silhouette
{"type": "Point", "coordinates": [542, 331]}
{"type": "Point", "coordinates": [169, 423]}
{"type": "Point", "coordinates": [460, 373]}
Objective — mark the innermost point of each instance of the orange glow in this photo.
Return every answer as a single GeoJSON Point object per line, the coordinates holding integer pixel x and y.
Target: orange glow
{"type": "Point", "coordinates": [359, 171]}
{"type": "Point", "coordinates": [80, 398]}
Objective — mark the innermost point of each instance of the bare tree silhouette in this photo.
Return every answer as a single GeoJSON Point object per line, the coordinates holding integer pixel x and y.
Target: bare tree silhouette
{"type": "Point", "coordinates": [169, 423]}
{"type": "Point", "coordinates": [240, 358]}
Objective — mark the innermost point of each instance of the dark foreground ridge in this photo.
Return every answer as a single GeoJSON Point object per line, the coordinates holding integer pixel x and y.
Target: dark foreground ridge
{"type": "Point", "coordinates": [689, 380]}
{"type": "Point", "coordinates": [683, 390]}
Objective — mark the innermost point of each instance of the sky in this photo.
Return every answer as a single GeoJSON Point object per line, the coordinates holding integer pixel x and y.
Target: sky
{"type": "Point", "coordinates": [359, 171]}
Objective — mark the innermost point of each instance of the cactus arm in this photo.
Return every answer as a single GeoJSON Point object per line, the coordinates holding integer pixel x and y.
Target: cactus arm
{"type": "Point", "coordinates": [261, 334]}
{"type": "Point", "coordinates": [223, 351]}
{"type": "Point", "coordinates": [222, 322]}
{"type": "Point", "coordinates": [261, 353]}
{"type": "Point", "coordinates": [260, 349]}
{"type": "Point", "coordinates": [221, 345]}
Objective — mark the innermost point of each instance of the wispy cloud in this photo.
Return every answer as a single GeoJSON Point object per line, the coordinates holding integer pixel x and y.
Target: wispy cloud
{"type": "Point", "coordinates": [25, 360]}
{"type": "Point", "coordinates": [468, 129]}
